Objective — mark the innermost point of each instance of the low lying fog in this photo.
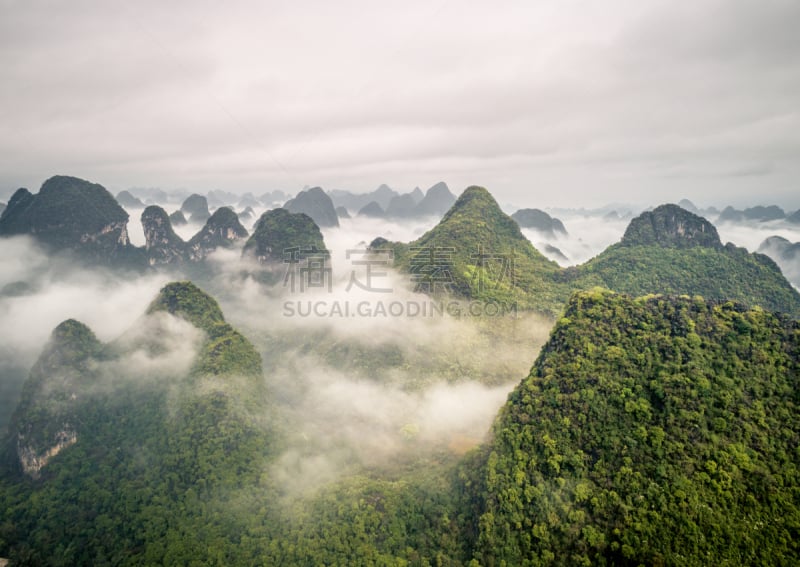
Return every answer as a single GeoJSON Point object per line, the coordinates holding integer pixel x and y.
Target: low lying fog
{"type": "Point", "coordinates": [354, 388]}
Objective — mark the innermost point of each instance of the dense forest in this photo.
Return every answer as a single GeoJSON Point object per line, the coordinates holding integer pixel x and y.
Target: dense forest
{"type": "Point", "coordinates": [479, 252]}
{"type": "Point", "coordinates": [658, 430]}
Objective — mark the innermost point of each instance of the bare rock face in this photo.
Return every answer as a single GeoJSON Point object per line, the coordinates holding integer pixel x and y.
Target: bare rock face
{"type": "Point", "coordinates": [32, 461]}
{"type": "Point", "coordinates": [45, 422]}
{"type": "Point", "coordinates": [163, 246]}
{"type": "Point", "coordinates": [70, 214]}
{"type": "Point", "coordinates": [222, 230]}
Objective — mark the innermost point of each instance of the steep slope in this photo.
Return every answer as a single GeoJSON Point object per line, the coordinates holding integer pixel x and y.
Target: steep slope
{"type": "Point", "coordinates": [778, 247]}
{"type": "Point", "coordinates": [48, 416]}
{"type": "Point", "coordinates": [656, 431]}
{"type": "Point", "coordinates": [402, 206]}
{"type": "Point", "coordinates": [355, 201]}
{"type": "Point", "coordinates": [226, 351]}
{"type": "Point", "coordinates": [670, 226]}
{"type": "Point", "coordinates": [316, 204]}
{"type": "Point", "coordinates": [70, 214]}
{"type": "Point", "coordinates": [478, 252]}
{"type": "Point", "coordinates": [786, 254]}
{"type": "Point", "coordinates": [222, 230]}
{"type": "Point", "coordinates": [672, 251]}
{"type": "Point", "coordinates": [151, 446]}
{"type": "Point", "coordinates": [126, 199]}
{"type": "Point", "coordinates": [277, 232]}
{"type": "Point", "coordinates": [373, 210]}
{"type": "Point", "coordinates": [437, 200]}
{"type": "Point", "coordinates": [669, 250]}
{"type": "Point", "coordinates": [247, 215]}
{"type": "Point", "coordinates": [177, 218]}
{"type": "Point", "coordinates": [196, 206]}
{"type": "Point", "coordinates": [163, 246]}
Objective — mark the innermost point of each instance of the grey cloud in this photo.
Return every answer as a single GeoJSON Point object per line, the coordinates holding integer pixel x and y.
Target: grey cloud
{"type": "Point", "coordinates": [587, 102]}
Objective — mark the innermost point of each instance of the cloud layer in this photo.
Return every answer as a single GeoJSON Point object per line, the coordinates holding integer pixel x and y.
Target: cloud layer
{"type": "Point", "coordinates": [563, 100]}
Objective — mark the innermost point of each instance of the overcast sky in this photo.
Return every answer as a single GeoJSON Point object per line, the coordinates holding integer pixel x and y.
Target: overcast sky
{"type": "Point", "coordinates": [555, 102]}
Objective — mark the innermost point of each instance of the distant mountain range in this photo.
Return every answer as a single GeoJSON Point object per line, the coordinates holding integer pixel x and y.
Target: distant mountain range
{"type": "Point", "coordinates": [482, 252]}
{"type": "Point", "coordinates": [384, 202]}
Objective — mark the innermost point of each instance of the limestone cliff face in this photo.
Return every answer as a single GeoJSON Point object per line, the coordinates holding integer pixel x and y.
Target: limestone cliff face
{"type": "Point", "coordinates": [70, 214]}
{"type": "Point", "coordinates": [44, 423]}
{"type": "Point", "coordinates": [162, 244]}
{"type": "Point", "coordinates": [32, 460]}
{"type": "Point", "coordinates": [222, 230]}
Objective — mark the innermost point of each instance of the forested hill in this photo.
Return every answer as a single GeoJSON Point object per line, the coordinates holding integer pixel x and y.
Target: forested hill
{"type": "Point", "coordinates": [119, 451]}
{"type": "Point", "coordinates": [479, 252]}
{"type": "Point", "coordinates": [655, 431]}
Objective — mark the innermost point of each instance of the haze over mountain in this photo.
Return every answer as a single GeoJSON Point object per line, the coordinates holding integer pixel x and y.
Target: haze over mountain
{"type": "Point", "coordinates": [385, 202]}
{"type": "Point", "coordinates": [162, 244]}
{"type": "Point", "coordinates": [786, 254]}
{"type": "Point", "coordinates": [278, 232]}
{"type": "Point", "coordinates": [316, 204]}
{"type": "Point", "coordinates": [196, 206]}
{"type": "Point", "coordinates": [325, 427]}
{"type": "Point", "coordinates": [127, 200]}
{"type": "Point", "coordinates": [539, 221]}
{"type": "Point", "coordinates": [668, 250]}
{"type": "Point", "coordinates": [372, 209]}
{"type": "Point", "coordinates": [222, 229]}
{"type": "Point", "coordinates": [756, 214]}
{"type": "Point", "coordinates": [70, 214]}
{"type": "Point", "coordinates": [432, 385]}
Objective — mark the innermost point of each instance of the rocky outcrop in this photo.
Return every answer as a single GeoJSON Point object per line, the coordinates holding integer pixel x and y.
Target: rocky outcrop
{"type": "Point", "coordinates": [32, 461]}
{"type": "Point", "coordinates": [70, 214]}
{"type": "Point", "coordinates": [222, 230]}
{"type": "Point", "coordinates": [163, 246]}
{"type": "Point", "coordinates": [45, 422]}
{"type": "Point", "coordinates": [671, 227]}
